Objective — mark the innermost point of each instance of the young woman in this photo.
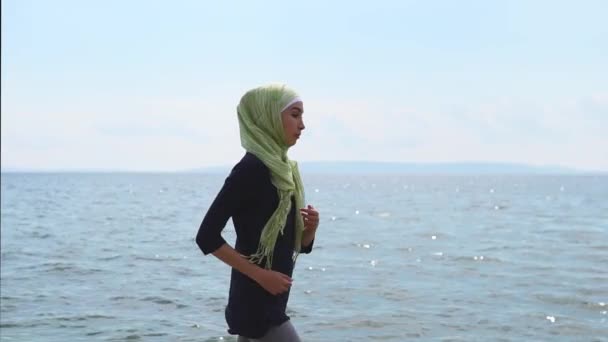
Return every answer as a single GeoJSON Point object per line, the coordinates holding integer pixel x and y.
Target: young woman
{"type": "Point", "coordinates": [264, 196]}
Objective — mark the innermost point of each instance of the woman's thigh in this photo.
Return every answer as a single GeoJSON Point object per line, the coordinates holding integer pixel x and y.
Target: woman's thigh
{"type": "Point", "coordinates": [282, 333]}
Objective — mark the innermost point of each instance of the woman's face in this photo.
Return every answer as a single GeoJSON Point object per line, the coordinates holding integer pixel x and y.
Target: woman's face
{"type": "Point", "coordinates": [293, 124]}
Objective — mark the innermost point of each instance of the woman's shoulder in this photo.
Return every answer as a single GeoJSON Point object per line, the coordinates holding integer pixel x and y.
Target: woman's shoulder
{"type": "Point", "coordinates": [249, 166]}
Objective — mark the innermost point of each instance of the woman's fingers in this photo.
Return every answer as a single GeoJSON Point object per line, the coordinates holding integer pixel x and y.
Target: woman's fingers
{"type": "Point", "coordinates": [286, 282]}
{"type": "Point", "coordinates": [310, 215]}
{"type": "Point", "coordinates": [310, 212]}
{"type": "Point", "coordinates": [283, 283]}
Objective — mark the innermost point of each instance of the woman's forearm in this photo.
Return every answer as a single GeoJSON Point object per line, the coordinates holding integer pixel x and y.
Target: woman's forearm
{"type": "Point", "coordinates": [235, 260]}
{"type": "Point", "coordinates": [308, 236]}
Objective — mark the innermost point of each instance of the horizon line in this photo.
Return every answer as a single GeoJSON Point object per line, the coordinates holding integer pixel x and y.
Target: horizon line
{"type": "Point", "coordinates": [550, 168]}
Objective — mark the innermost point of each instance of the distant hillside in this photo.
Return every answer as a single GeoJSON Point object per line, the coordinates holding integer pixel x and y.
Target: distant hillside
{"type": "Point", "coordinates": [417, 168]}
{"type": "Point", "coordinates": [429, 168]}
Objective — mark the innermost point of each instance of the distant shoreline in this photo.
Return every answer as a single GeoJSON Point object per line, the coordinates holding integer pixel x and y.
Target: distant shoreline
{"type": "Point", "coordinates": [357, 167]}
{"type": "Point", "coordinates": [347, 167]}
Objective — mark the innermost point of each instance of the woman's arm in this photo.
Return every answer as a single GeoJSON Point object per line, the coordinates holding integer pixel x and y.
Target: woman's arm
{"type": "Point", "coordinates": [308, 237]}
{"type": "Point", "coordinates": [234, 195]}
{"type": "Point", "coordinates": [311, 223]}
{"type": "Point", "coordinates": [272, 281]}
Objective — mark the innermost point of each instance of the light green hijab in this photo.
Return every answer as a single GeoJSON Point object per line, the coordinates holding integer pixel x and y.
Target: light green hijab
{"type": "Point", "coordinates": [262, 135]}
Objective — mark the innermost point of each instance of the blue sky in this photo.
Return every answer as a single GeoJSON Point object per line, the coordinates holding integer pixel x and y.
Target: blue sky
{"type": "Point", "coordinates": [153, 85]}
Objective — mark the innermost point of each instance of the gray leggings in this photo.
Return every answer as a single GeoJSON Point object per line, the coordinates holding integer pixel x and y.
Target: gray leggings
{"type": "Point", "coordinates": [282, 333]}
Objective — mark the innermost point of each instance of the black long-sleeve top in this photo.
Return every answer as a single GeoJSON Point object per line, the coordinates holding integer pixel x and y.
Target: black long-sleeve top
{"type": "Point", "coordinates": [249, 197]}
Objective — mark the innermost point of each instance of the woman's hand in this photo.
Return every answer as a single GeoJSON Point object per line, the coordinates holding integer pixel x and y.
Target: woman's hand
{"type": "Point", "coordinates": [273, 281]}
{"type": "Point", "coordinates": [311, 218]}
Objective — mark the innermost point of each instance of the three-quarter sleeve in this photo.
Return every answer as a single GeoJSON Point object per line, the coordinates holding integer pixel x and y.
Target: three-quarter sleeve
{"type": "Point", "coordinates": [307, 249]}
{"type": "Point", "coordinates": [236, 191]}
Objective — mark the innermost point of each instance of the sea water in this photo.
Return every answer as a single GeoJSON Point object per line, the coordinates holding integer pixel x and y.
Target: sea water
{"type": "Point", "coordinates": [112, 257]}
